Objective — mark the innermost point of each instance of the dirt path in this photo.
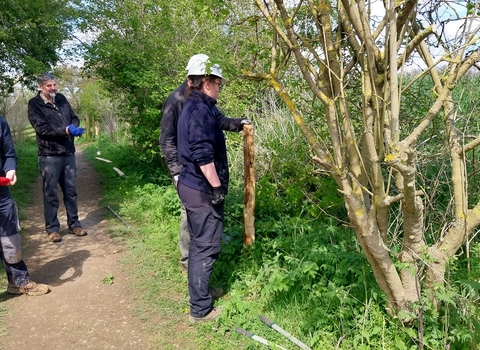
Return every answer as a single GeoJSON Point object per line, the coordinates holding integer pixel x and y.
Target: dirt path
{"type": "Point", "coordinates": [80, 312]}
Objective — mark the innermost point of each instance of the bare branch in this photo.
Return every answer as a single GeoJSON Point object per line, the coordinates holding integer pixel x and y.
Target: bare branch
{"type": "Point", "coordinates": [470, 146]}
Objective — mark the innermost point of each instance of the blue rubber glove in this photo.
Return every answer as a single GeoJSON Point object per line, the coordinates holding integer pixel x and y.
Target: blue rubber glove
{"type": "Point", "coordinates": [73, 130]}
{"type": "Point", "coordinates": [246, 122]}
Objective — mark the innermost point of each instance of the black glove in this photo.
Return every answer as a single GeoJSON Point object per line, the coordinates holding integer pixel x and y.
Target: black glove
{"type": "Point", "coordinates": [218, 195]}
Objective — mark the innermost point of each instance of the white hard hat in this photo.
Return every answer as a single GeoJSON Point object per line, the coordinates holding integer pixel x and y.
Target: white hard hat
{"type": "Point", "coordinates": [197, 65]}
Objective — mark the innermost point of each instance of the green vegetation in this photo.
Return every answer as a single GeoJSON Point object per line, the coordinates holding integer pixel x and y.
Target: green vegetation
{"type": "Point", "coordinates": [31, 36]}
{"type": "Point", "coordinates": [306, 271]}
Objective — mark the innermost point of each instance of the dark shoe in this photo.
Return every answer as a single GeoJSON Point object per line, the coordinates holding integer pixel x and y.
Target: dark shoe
{"type": "Point", "coordinates": [212, 315]}
{"type": "Point", "coordinates": [31, 288]}
{"type": "Point", "coordinates": [216, 293]}
{"type": "Point", "coordinates": [54, 237]}
{"type": "Point", "coordinates": [77, 231]}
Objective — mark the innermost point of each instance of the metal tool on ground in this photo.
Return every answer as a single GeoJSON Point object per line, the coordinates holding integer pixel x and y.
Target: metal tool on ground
{"type": "Point", "coordinates": [118, 216]}
{"type": "Point", "coordinates": [257, 338]}
{"type": "Point", "coordinates": [290, 337]}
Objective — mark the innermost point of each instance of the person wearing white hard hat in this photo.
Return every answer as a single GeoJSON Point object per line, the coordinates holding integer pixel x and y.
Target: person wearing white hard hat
{"type": "Point", "coordinates": [203, 181]}
{"type": "Point", "coordinates": [171, 110]}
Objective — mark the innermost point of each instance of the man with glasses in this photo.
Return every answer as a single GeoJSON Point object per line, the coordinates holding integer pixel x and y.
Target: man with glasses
{"type": "Point", "coordinates": [168, 141]}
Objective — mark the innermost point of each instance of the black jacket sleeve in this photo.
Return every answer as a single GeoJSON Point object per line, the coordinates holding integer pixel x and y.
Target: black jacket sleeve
{"type": "Point", "coordinates": [7, 150]}
{"type": "Point", "coordinates": [227, 124]}
{"type": "Point", "coordinates": [168, 128]}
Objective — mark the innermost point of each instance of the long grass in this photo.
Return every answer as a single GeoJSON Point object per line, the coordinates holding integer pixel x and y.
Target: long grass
{"type": "Point", "coordinates": [305, 271]}
{"type": "Point", "coordinates": [292, 275]}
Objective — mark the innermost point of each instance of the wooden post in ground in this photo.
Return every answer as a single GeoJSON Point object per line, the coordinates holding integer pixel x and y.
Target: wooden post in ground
{"type": "Point", "coordinates": [249, 198]}
{"type": "Point", "coordinates": [88, 134]}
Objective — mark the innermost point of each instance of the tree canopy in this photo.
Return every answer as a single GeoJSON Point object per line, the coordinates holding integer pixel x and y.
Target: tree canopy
{"type": "Point", "coordinates": [142, 49]}
{"type": "Point", "coordinates": [31, 35]}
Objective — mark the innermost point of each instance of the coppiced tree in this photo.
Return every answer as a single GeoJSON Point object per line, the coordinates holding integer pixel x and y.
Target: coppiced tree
{"type": "Point", "coordinates": [344, 71]}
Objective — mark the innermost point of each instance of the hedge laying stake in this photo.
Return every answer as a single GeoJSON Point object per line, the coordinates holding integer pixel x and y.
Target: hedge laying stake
{"type": "Point", "coordinates": [290, 337]}
{"type": "Point", "coordinates": [257, 338]}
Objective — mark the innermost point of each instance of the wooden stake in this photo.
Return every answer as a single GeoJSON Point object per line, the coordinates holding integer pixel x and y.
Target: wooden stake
{"type": "Point", "coordinates": [249, 199]}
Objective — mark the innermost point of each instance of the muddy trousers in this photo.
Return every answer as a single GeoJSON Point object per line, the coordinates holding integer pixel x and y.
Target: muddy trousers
{"type": "Point", "coordinates": [17, 273]}
{"type": "Point", "coordinates": [10, 244]}
{"type": "Point", "coordinates": [59, 170]}
{"type": "Point", "coordinates": [205, 222]}
{"type": "Point", "coordinates": [184, 238]}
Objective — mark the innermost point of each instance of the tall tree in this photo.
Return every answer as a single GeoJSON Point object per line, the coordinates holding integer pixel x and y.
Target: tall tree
{"type": "Point", "coordinates": [141, 51]}
{"type": "Point", "coordinates": [352, 57]}
{"type": "Point", "coordinates": [31, 34]}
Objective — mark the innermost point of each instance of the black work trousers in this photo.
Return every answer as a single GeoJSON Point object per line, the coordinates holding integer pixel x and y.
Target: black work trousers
{"type": "Point", "coordinates": [205, 222]}
{"type": "Point", "coordinates": [59, 170]}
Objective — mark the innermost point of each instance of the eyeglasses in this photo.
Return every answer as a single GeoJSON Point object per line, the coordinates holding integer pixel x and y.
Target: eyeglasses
{"type": "Point", "coordinates": [220, 85]}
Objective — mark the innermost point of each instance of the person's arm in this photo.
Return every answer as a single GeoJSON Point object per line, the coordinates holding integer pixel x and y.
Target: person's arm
{"type": "Point", "coordinates": [228, 124]}
{"type": "Point", "coordinates": [9, 155]}
{"type": "Point", "coordinates": [40, 124]}
{"type": "Point", "coordinates": [210, 174]}
{"type": "Point", "coordinates": [168, 134]}
{"type": "Point", "coordinates": [202, 145]}
{"type": "Point", "coordinates": [203, 151]}
{"type": "Point", "coordinates": [75, 119]}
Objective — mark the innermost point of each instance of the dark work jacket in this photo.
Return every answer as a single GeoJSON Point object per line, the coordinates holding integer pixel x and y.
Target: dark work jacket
{"type": "Point", "coordinates": [50, 123]}
{"type": "Point", "coordinates": [168, 133]}
{"type": "Point", "coordinates": [200, 142]}
{"type": "Point", "coordinates": [8, 157]}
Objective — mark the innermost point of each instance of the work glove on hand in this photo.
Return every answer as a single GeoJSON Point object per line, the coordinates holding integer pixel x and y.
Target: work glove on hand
{"type": "Point", "coordinates": [73, 130]}
{"type": "Point", "coordinates": [218, 195]}
{"type": "Point", "coordinates": [246, 122]}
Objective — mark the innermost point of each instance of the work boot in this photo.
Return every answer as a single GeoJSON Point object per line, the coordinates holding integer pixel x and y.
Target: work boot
{"type": "Point", "coordinates": [77, 231]}
{"type": "Point", "coordinates": [31, 289]}
{"type": "Point", "coordinates": [54, 237]}
{"type": "Point", "coordinates": [184, 268]}
{"type": "Point", "coordinates": [216, 293]}
{"type": "Point", "coordinates": [212, 315]}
